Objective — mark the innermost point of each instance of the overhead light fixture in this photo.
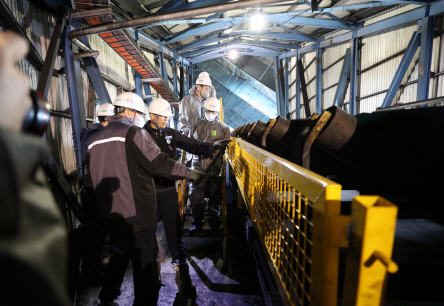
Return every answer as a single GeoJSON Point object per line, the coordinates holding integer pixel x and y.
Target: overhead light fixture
{"type": "Point", "coordinates": [257, 19]}
{"type": "Point", "coordinates": [232, 54]}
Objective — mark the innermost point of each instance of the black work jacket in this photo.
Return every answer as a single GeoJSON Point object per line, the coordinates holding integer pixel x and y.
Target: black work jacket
{"type": "Point", "coordinates": [168, 141]}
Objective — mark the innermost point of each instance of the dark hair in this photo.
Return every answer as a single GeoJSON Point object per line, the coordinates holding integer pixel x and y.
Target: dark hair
{"type": "Point", "coordinates": [103, 118]}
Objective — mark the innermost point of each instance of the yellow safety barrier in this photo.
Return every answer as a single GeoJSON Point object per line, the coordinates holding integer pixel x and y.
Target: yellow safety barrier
{"type": "Point", "coordinates": [369, 258]}
{"type": "Point", "coordinates": [296, 214]}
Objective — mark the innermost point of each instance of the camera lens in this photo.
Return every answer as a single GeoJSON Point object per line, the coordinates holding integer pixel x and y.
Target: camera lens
{"type": "Point", "coordinates": [38, 115]}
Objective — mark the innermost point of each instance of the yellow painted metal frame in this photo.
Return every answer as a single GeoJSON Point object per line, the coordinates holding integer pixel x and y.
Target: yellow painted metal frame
{"type": "Point", "coordinates": [371, 243]}
{"type": "Point", "coordinates": [297, 217]}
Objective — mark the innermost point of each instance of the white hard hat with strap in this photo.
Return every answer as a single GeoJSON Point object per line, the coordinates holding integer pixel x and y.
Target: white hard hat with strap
{"type": "Point", "coordinates": [130, 100]}
{"type": "Point", "coordinates": [160, 107]}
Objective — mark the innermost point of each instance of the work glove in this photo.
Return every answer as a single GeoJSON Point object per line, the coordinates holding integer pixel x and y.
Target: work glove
{"type": "Point", "coordinates": [195, 174]}
{"type": "Point", "coordinates": [221, 144]}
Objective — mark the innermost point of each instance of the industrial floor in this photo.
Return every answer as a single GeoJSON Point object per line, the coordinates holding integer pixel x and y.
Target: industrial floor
{"type": "Point", "coordinates": [234, 283]}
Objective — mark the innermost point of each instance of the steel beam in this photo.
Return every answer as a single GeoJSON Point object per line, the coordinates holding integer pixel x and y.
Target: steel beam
{"type": "Point", "coordinates": [147, 90]}
{"type": "Point", "coordinates": [304, 89]}
{"type": "Point", "coordinates": [344, 80]}
{"type": "Point", "coordinates": [286, 87]}
{"type": "Point", "coordinates": [402, 68]}
{"type": "Point", "coordinates": [182, 81]}
{"type": "Point", "coordinates": [425, 58]}
{"type": "Point", "coordinates": [162, 66]}
{"type": "Point", "coordinates": [51, 55]}
{"type": "Point", "coordinates": [353, 75]}
{"type": "Point", "coordinates": [279, 85]}
{"type": "Point", "coordinates": [173, 63]}
{"type": "Point", "coordinates": [73, 100]}
{"type": "Point", "coordinates": [310, 37]}
{"type": "Point", "coordinates": [170, 6]}
{"type": "Point", "coordinates": [319, 81]}
{"type": "Point", "coordinates": [96, 78]}
{"type": "Point", "coordinates": [410, 17]}
{"type": "Point", "coordinates": [190, 75]}
{"type": "Point", "coordinates": [298, 90]}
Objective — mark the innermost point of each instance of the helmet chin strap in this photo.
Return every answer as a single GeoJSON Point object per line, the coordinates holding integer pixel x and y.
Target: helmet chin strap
{"type": "Point", "coordinates": [158, 127]}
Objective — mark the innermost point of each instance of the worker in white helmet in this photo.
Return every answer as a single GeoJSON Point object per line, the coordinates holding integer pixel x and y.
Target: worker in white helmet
{"type": "Point", "coordinates": [190, 107]}
{"type": "Point", "coordinates": [209, 129]}
{"type": "Point", "coordinates": [212, 92]}
{"type": "Point", "coordinates": [104, 112]}
{"type": "Point", "coordinates": [93, 243]}
{"type": "Point", "coordinates": [122, 160]}
{"type": "Point", "coordinates": [168, 139]}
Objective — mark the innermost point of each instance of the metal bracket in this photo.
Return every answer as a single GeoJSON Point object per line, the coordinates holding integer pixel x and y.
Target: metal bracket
{"type": "Point", "coordinates": [86, 54]}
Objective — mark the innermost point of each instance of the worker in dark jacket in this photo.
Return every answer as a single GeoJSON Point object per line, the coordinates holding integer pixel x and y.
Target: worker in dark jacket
{"type": "Point", "coordinates": [104, 112]}
{"type": "Point", "coordinates": [168, 140]}
{"type": "Point", "coordinates": [122, 161]}
{"type": "Point", "coordinates": [94, 238]}
{"type": "Point", "coordinates": [209, 129]}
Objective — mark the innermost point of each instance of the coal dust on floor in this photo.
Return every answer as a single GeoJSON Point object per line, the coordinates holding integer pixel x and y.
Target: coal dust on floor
{"type": "Point", "coordinates": [233, 283]}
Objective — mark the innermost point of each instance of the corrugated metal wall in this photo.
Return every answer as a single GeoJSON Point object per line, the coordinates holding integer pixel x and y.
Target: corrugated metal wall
{"type": "Point", "coordinates": [38, 26]}
{"type": "Point", "coordinates": [375, 81]}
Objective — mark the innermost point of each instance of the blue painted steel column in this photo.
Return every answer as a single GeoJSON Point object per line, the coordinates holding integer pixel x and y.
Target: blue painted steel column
{"type": "Point", "coordinates": [161, 64]}
{"type": "Point", "coordinates": [298, 90]}
{"type": "Point", "coordinates": [190, 77]}
{"type": "Point", "coordinates": [319, 80]}
{"type": "Point", "coordinates": [137, 77]}
{"type": "Point", "coordinates": [95, 76]}
{"type": "Point", "coordinates": [402, 69]}
{"type": "Point", "coordinates": [353, 73]}
{"type": "Point", "coordinates": [425, 58]}
{"type": "Point", "coordinates": [186, 80]}
{"type": "Point", "coordinates": [173, 63]}
{"type": "Point", "coordinates": [341, 89]}
{"type": "Point", "coordinates": [73, 99]}
{"type": "Point", "coordinates": [279, 97]}
{"type": "Point", "coordinates": [147, 89]}
{"type": "Point", "coordinates": [287, 89]}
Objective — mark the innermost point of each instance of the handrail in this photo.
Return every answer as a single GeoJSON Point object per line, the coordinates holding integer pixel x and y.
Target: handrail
{"type": "Point", "coordinates": [297, 218]}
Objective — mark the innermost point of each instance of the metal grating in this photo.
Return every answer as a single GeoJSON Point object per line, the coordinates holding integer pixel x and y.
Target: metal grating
{"type": "Point", "coordinates": [128, 49]}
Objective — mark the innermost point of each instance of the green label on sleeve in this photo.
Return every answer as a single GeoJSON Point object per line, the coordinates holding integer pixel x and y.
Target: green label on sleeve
{"type": "Point", "coordinates": [213, 133]}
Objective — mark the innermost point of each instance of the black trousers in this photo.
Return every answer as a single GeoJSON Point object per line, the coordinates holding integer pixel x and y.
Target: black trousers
{"type": "Point", "coordinates": [141, 248]}
{"type": "Point", "coordinates": [168, 210]}
{"type": "Point", "coordinates": [211, 188]}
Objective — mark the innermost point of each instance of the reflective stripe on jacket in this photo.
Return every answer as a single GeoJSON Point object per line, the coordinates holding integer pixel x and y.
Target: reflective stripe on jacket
{"type": "Point", "coordinates": [122, 161]}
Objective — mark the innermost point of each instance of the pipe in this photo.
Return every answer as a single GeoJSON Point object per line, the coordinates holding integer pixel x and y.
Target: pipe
{"type": "Point", "coordinates": [166, 17]}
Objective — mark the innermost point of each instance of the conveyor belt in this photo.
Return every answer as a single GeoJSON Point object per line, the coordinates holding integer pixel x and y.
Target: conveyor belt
{"type": "Point", "coordinates": [128, 49]}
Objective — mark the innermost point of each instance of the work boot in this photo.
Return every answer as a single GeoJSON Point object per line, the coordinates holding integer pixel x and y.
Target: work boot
{"type": "Point", "coordinates": [196, 230]}
{"type": "Point", "coordinates": [183, 280]}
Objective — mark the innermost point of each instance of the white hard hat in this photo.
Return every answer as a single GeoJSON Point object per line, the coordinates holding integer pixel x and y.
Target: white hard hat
{"type": "Point", "coordinates": [160, 107]}
{"type": "Point", "coordinates": [130, 100]}
{"type": "Point", "coordinates": [204, 74]}
{"type": "Point", "coordinates": [212, 104]}
{"type": "Point", "coordinates": [106, 109]}
{"type": "Point", "coordinates": [204, 80]}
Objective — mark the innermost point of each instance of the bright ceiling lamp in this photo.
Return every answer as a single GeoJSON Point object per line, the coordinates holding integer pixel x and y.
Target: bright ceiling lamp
{"type": "Point", "coordinates": [232, 54]}
{"type": "Point", "coordinates": [257, 19]}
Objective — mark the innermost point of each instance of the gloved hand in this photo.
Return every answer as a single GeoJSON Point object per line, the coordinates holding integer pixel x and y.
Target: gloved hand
{"type": "Point", "coordinates": [221, 144]}
{"type": "Point", "coordinates": [195, 174]}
